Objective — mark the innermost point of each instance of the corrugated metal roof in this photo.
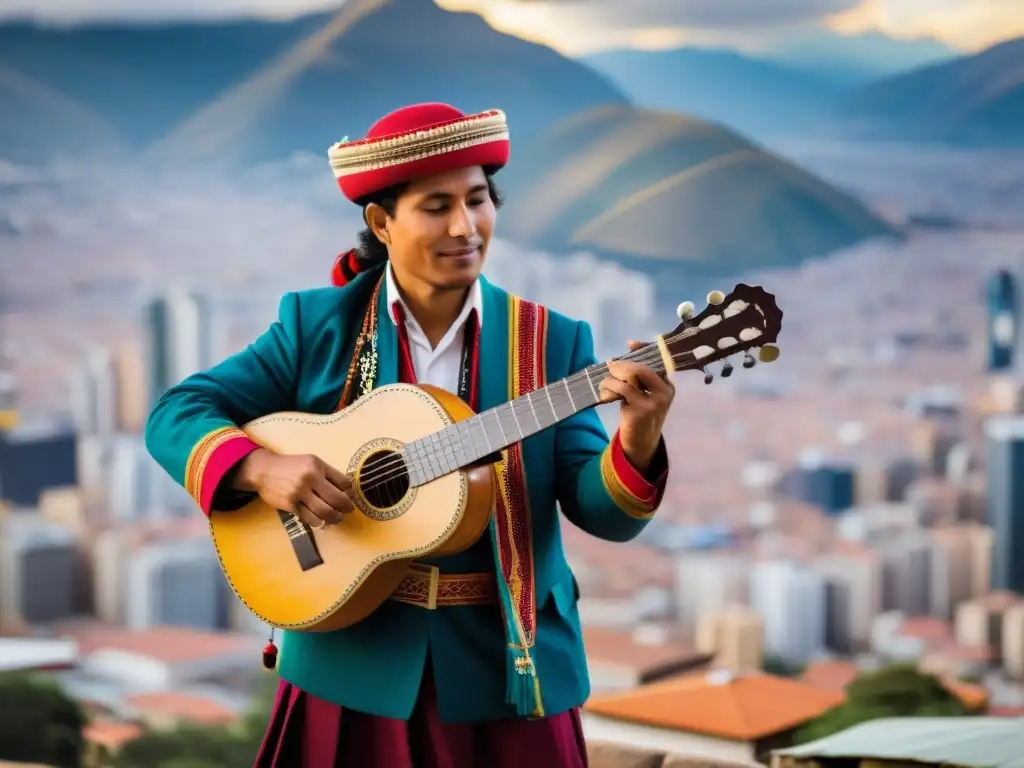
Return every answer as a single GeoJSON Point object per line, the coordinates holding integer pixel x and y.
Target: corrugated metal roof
{"type": "Point", "coordinates": [971, 742]}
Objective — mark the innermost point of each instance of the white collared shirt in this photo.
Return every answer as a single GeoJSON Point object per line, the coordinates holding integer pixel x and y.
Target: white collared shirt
{"type": "Point", "coordinates": [439, 366]}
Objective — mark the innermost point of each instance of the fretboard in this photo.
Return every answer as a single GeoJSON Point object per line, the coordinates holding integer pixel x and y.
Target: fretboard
{"type": "Point", "coordinates": [468, 441]}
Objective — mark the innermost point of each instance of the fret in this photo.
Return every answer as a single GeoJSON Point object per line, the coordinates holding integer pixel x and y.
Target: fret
{"type": "Point", "coordinates": [554, 413]}
{"type": "Point", "coordinates": [496, 413]}
{"type": "Point", "coordinates": [593, 391]}
{"type": "Point", "coordinates": [569, 393]}
{"type": "Point", "coordinates": [515, 418]}
{"type": "Point", "coordinates": [460, 443]}
{"type": "Point", "coordinates": [536, 418]}
{"type": "Point", "coordinates": [467, 441]}
{"type": "Point", "coordinates": [477, 422]}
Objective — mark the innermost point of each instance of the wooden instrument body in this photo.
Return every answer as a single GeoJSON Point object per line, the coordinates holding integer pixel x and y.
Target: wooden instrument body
{"type": "Point", "coordinates": [364, 558]}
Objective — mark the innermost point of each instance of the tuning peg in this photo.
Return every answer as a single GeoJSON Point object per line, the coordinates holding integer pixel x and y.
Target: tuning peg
{"type": "Point", "coordinates": [716, 297]}
{"type": "Point", "coordinates": [726, 370]}
{"type": "Point", "coordinates": [708, 377]}
{"type": "Point", "coordinates": [769, 353]}
{"type": "Point", "coordinates": [749, 361]}
{"type": "Point", "coordinates": [685, 310]}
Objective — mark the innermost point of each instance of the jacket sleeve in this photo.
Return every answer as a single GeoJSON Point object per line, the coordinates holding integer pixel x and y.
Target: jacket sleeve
{"type": "Point", "coordinates": [193, 431]}
{"type": "Point", "coordinates": [598, 489]}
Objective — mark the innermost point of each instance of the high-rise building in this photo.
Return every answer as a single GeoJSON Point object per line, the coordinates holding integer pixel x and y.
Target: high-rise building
{"type": "Point", "coordinates": [853, 597]}
{"type": "Point", "coordinates": [130, 375]}
{"type": "Point", "coordinates": [979, 622]}
{"type": "Point", "coordinates": [182, 339]}
{"type": "Point", "coordinates": [707, 581]}
{"type": "Point", "coordinates": [94, 394]}
{"type": "Point", "coordinates": [735, 634]}
{"type": "Point", "coordinates": [1005, 452]}
{"type": "Point", "coordinates": [35, 458]}
{"type": "Point", "coordinates": [906, 572]}
{"type": "Point", "coordinates": [791, 599]}
{"type": "Point", "coordinates": [1003, 321]}
{"type": "Point", "coordinates": [39, 569]}
{"type": "Point", "coordinates": [825, 484]}
{"type": "Point", "coordinates": [176, 583]}
{"type": "Point", "coordinates": [954, 567]}
{"type": "Point", "coordinates": [1013, 640]}
{"type": "Point", "coordinates": [8, 398]}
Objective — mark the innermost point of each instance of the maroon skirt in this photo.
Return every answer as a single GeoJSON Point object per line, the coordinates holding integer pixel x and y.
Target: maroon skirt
{"type": "Point", "coordinates": [307, 732]}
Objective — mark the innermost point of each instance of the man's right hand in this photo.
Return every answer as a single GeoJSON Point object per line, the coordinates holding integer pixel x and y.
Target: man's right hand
{"type": "Point", "coordinates": [313, 490]}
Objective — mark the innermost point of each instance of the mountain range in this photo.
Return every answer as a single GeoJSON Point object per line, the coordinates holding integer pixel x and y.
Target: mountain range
{"type": "Point", "coordinates": [850, 60]}
{"type": "Point", "coordinates": [264, 89]}
{"type": "Point", "coordinates": [675, 197]}
{"type": "Point", "coordinates": [646, 146]}
{"type": "Point", "coordinates": [244, 90]}
{"type": "Point", "coordinates": [973, 99]}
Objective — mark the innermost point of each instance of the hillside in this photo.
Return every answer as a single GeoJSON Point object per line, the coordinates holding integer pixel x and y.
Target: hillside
{"type": "Point", "coordinates": [973, 100]}
{"type": "Point", "coordinates": [203, 89]}
{"type": "Point", "coordinates": [674, 195]}
{"type": "Point", "coordinates": [756, 97]}
{"type": "Point", "coordinates": [856, 59]}
{"type": "Point", "coordinates": [43, 117]}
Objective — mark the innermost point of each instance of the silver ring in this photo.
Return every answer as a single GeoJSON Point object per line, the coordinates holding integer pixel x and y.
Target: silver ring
{"type": "Point", "coordinates": [323, 524]}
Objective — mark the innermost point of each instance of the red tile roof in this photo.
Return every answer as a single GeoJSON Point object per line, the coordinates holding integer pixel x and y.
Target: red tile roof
{"type": "Point", "coordinates": [740, 708]}
{"type": "Point", "coordinates": [167, 644]}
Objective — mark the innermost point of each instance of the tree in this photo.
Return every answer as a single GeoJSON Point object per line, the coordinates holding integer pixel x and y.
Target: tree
{"type": "Point", "coordinates": [38, 723]}
{"type": "Point", "coordinates": [195, 746]}
{"type": "Point", "coordinates": [899, 690]}
{"type": "Point", "coordinates": [780, 667]}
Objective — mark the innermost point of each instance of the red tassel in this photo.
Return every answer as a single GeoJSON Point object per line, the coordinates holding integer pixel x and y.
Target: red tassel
{"type": "Point", "coordinates": [346, 267]}
{"type": "Point", "coordinates": [270, 655]}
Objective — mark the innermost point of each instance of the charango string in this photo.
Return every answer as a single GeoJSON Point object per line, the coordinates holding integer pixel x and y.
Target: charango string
{"type": "Point", "coordinates": [394, 466]}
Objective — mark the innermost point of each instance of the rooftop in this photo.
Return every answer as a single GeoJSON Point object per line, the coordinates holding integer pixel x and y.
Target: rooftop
{"type": "Point", "coordinates": [182, 706]}
{"type": "Point", "coordinates": [969, 742]}
{"type": "Point", "coordinates": [719, 703]}
{"type": "Point", "coordinates": [18, 654]}
{"type": "Point", "coordinates": [171, 645]}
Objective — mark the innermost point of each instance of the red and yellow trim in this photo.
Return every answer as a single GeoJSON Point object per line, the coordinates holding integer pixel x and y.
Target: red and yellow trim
{"type": "Point", "coordinates": [528, 325]}
{"type": "Point", "coordinates": [628, 488]}
{"type": "Point", "coordinates": [211, 458]}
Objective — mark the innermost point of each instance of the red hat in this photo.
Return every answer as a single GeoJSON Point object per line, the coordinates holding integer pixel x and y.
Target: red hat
{"type": "Point", "coordinates": [418, 141]}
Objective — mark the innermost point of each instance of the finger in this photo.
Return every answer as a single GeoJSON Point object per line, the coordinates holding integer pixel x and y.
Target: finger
{"type": "Point", "coordinates": [643, 377]}
{"type": "Point", "coordinates": [336, 499]}
{"type": "Point", "coordinates": [620, 390]}
{"type": "Point", "coordinates": [631, 373]}
{"type": "Point", "coordinates": [337, 478]}
{"type": "Point", "coordinates": [321, 509]}
{"type": "Point", "coordinates": [635, 345]}
{"type": "Point", "coordinates": [306, 516]}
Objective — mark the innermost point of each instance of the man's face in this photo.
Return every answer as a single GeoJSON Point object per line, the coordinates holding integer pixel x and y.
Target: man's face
{"type": "Point", "coordinates": [441, 229]}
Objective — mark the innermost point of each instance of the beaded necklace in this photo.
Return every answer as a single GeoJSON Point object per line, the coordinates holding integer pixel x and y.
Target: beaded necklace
{"type": "Point", "coordinates": [364, 356]}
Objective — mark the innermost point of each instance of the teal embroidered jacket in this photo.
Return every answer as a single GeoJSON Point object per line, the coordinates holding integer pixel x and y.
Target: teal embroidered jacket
{"type": "Point", "coordinates": [377, 666]}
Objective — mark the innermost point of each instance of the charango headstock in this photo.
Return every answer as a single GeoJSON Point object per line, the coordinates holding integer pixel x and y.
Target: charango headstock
{"type": "Point", "coordinates": [745, 320]}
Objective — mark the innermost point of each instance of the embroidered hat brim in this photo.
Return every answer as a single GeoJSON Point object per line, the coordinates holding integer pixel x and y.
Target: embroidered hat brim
{"type": "Point", "coordinates": [380, 161]}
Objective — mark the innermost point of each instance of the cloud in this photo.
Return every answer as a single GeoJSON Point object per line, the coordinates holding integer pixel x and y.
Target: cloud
{"type": "Point", "coordinates": [691, 14]}
{"type": "Point", "coordinates": [86, 10]}
{"type": "Point", "coordinates": [632, 14]}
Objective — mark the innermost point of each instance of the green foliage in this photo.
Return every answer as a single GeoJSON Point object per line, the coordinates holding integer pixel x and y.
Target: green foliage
{"type": "Point", "coordinates": [38, 723]}
{"type": "Point", "coordinates": [193, 746]}
{"type": "Point", "coordinates": [780, 667]}
{"type": "Point", "coordinates": [898, 690]}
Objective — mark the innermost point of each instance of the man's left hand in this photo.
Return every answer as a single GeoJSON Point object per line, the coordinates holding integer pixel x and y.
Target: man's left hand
{"type": "Point", "coordinates": [646, 397]}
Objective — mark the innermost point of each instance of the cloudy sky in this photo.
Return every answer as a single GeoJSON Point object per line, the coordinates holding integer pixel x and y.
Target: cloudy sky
{"type": "Point", "coordinates": [575, 26]}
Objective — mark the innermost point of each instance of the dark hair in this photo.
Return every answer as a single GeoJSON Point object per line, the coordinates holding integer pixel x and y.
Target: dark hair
{"type": "Point", "coordinates": [372, 251]}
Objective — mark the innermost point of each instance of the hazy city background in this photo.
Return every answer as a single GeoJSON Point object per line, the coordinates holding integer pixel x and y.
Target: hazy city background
{"type": "Point", "coordinates": [859, 504]}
